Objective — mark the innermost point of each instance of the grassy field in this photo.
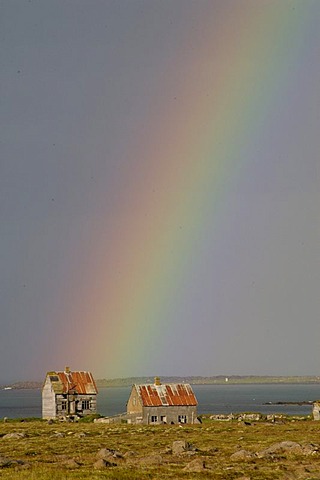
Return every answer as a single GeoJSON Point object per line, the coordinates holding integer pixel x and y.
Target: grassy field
{"type": "Point", "coordinates": [42, 451]}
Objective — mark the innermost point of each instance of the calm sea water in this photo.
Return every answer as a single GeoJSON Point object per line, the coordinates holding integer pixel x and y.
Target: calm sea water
{"type": "Point", "coordinates": [211, 399]}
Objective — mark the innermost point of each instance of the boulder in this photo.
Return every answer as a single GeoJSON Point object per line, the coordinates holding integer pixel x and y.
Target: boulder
{"type": "Point", "coordinates": [4, 461]}
{"type": "Point", "coordinates": [108, 454]}
{"type": "Point", "coordinates": [197, 465]}
{"type": "Point", "coordinates": [242, 456]}
{"type": "Point", "coordinates": [8, 462]}
{"type": "Point", "coordinates": [101, 463]}
{"type": "Point", "coordinates": [181, 446]}
{"type": "Point", "coordinates": [71, 463]}
{"type": "Point", "coordinates": [286, 447]}
{"type": "Point", "coordinates": [16, 435]}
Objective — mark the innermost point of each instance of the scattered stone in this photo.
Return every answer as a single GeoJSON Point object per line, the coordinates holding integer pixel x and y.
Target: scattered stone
{"type": "Point", "coordinates": [4, 461]}
{"type": "Point", "coordinates": [249, 417]}
{"type": "Point", "coordinates": [80, 435]}
{"type": "Point", "coordinates": [281, 448]}
{"type": "Point", "coordinates": [8, 462]}
{"type": "Point", "coordinates": [16, 435]}
{"type": "Point", "coordinates": [58, 435]}
{"type": "Point", "coordinates": [50, 421]}
{"type": "Point", "coordinates": [181, 446]}
{"type": "Point", "coordinates": [197, 465]}
{"type": "Point", "coordinates": [101, 463]}
{"type": "Point", "coordinates": [310, 449]}
{"type": "Point", "coordinates": [222, 418]}
{"type": "Point", "coordinates": [129, 454]}
{"type": "Point", "coordinates": [71, 463]}
{"type": "Point", "coordinates": [108, 454]}
{"type": "Point", "coordinates": [242, 456]}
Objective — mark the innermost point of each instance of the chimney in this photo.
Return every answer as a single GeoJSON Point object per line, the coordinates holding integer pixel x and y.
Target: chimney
{"type": "Point", "coordinates": [67, 369]}
{"type": "Point", "coordinates": [157, 381]}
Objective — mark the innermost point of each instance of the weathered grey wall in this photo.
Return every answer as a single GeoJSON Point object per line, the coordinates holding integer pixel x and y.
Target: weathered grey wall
{"type": "Point", "coordinates": [171, 414]}
{"type": "Point", "coordinates": [48, 401]}
{"type": "Point", "coordinates": [134, 404]}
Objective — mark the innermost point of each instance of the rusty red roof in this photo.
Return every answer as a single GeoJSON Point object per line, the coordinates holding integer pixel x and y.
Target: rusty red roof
{"type": "Point", "coordinates": [79, 382]}
{"type": "Point", "coordinates": [166, 395]}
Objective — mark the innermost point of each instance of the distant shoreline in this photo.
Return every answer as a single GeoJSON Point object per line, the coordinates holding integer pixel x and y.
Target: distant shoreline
{"type": "Point", "coordinates": [193, 380]}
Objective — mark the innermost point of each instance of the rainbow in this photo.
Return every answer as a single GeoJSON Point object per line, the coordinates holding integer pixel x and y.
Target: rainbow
{"type": "Point", "coordinates": [219, 94]}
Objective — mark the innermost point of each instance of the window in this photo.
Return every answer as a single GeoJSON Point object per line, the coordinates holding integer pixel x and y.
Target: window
{"type": "Point", "coordinates": [154, 418]}
{"type": "Point", "coordinates": [85, 404]}
{"type": "Point", "coordinates": [63, 404]}
{"type": "Point", "coordinates": [182, 418]}
{"type": "Point", "coordinates": [163, 418]}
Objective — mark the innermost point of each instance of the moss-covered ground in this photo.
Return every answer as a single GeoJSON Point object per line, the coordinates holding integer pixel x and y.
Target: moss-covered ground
{"type": "Point", "coordinates": [69, 450]}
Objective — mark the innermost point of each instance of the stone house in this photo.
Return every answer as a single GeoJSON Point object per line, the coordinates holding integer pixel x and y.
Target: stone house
{"type": "Point", "coordinates": [68, 394]}
{"type": "Point", "coordinates": [158, 404]}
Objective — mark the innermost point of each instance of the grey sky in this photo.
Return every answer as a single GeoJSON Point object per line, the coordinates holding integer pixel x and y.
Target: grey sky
{"type": "Point", "coordinates": [78, 82]}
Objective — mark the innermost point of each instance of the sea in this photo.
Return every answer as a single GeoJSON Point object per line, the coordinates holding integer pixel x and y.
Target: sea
{"type": "Point", "coordinates": [212, 399]}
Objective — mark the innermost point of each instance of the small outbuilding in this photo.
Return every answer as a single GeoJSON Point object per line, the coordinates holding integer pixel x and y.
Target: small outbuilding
{"type": "Point", "coordinates": [159, 404]}
{"type": "Point", "coordinates": [68, 394]}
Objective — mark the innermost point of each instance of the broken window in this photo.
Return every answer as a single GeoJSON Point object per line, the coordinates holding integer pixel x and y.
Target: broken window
{"type": "Point", "coordinates": [182, 418]}
{"type": "Point", "coordinates": [85, 404]}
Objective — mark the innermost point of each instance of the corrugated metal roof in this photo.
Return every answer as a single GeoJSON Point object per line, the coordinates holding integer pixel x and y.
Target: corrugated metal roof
{"type": "Point", "coordinates": [166, 395]}
{"type": "Point", "coordinates": [79, 382]}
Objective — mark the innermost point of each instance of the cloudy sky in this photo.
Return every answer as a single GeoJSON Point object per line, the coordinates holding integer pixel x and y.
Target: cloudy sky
{"type": "Point", "coordinates": [159, 187]}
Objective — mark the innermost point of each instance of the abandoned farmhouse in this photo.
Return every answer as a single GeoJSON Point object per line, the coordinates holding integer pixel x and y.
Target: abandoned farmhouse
{"type": "Point", "coordinates": [157, 403]}
{"type": "Point", "coordinates": [73, 394]}
{"type": "Point", "coordinates": [68, 394]}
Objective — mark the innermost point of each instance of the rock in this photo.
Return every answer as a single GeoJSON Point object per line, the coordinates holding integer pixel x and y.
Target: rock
{"type": "Point", "coordinates": [130, 454]}
{"type": "Point", "coordinates": [80, 435]}
{"type": "Point", "coordinates": [101, 463]}
{"type": "Point", "coordinates": [4, 461]}
{"type": "Point", "coordinates": [249, 417]}
{"type": "Point", "coordinates": [8, 462]}
{"type": "Point", "coordinates": [310, 449]}
{"type": "Point", "coordinates": [181, 446]}
{"type": "Point", "coordinates": [222, 418]}
{"type": "Point", "coordinates": [197, 465]}
{"type": "Point", "coordinates": [108, 454]}
{"type": "Point", "coordinates": [50, 421]}
{"type": "Point", "coordinates": [16, 435]}
{"type": "Point", "coordinates": [281, 448]}
{"type": "Point", "coordinates": [242, 456]}
{"type": "Point", "coordinates": [71, 463]}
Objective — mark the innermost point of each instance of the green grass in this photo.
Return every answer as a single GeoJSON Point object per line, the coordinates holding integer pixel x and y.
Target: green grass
{"type": "Point", "coordinates": [46, 449]}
